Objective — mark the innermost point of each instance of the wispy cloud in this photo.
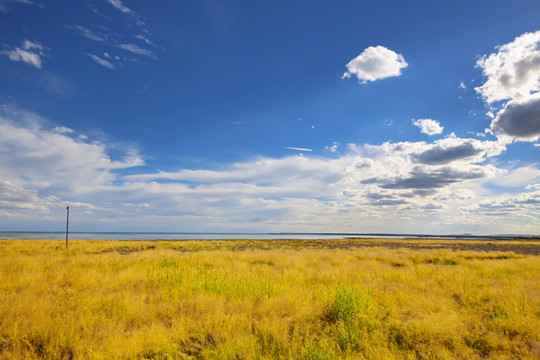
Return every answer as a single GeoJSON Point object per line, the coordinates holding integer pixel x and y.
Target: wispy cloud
{"type": "Point", "coordinates": [4, 4]}
{"type": "Point", "coordinates": [145, 39]}
{"type": "Point", "coordinates": [30, 53]}
{"type": "Point", "coordinates": [119, 40]}
{"type": "Point", "coordinates": [118, 4]}
{"type": "Point", "coordinates": [298, 148]}
{"type": "Point", "coordinates": [87, 33]}
{"type": "Point", "coordinates": [374, 63]}
{"type": "Point", "coordinates": [101, 61]}
{"type": "Point", "coordinates": [137, 50]}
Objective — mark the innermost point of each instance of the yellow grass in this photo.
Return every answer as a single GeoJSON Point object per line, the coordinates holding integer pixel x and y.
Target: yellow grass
{"type": "Point", "coordinates": [265, 300]}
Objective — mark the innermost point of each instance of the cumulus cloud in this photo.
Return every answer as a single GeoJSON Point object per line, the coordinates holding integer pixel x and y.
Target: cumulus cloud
{"type": "Point", "coordinates": [101, 61]}
{"type": "Point", "coordinates": [364, 188]}
{"type": "Point", "coordinates": [366, 174]}
{"type": "Point", "coordinates": [513, 71]}
{"type": "Point", "coordinates": [513, 75]}
{"type": "Point", "coordinates": [52, 159]}
{"type": "Point", "coordinates": [508, 205]}
{"type": "Point", "coordinates": [30, 53]}
{"type": "Point", "coordinates": [375, 63]}
{"type": "Point", "coordinates": [425, 178]}
{"type": "Point", "coordinates": [439, 155]}
{"type": "Point", "coordinates": [13, 196]}
{"type": "Point", "coordinates": [520, 118]}
{"type": "Point", "coordinates": [456, 149]}
{"type": "Point", "coordinates": [429, 126]}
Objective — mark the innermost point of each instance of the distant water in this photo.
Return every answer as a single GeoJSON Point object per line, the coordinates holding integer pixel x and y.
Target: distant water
{"type": "Point", "coordinates": [161, 236]}
{"type": "Point", "coordinates": [208, 236]}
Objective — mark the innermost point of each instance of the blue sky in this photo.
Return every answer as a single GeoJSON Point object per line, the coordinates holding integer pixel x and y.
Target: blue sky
{"type": "Point", "coordinates": [241, 116]}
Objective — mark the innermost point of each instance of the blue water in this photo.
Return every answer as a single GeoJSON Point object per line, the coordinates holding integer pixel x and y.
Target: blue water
{"type": "Point", "coordinates": [161, 236]}
{"type": "Point", "coordinates": [208, 236]}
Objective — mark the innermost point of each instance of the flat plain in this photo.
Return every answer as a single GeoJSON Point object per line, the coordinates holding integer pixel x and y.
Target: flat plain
{"type": "Point", "coordinates": [270, 299]}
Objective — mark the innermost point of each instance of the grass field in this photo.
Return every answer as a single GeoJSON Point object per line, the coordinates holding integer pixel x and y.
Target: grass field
{"type": "Point", "coordinates": [270, 299]}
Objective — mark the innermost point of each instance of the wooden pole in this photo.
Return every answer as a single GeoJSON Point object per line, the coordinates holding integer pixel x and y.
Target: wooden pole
{"type": "Point", "coordinates": [67, 226]}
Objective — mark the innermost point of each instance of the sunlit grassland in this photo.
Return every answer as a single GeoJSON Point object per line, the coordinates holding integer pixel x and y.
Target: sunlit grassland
{"type": "Point", "coordinates": [266, 299]}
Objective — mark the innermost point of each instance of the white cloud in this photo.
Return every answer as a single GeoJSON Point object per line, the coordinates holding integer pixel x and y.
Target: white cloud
{"type": "Point", "coordinates": [101, 61]}
{"type": "Point", "coordinates": [24, 56]}
{"type": "Point", "coordinates": [522, 206]}
{"type": "Point", "coordinates": [137, 50]}
{"type": "Point", "coordinates": [332, 148]}
{"type": "Point", "coordinates": [29, 45]}
{"type": "Point", "coordinates": [366, 188]}
{"type": "Point", "coordinates": [145, 39]}
{"type": "Point", "coordinates": [143, 205]}
{"type": "Point", "coordinates": [513, 75]}
{"type": "Point", "coordinates": [520, 118]}
{"type": "Point", "coordinates": [30, 53]}
{"type": "Point", "coordinates": [513, 72]}
{"type": "Point", "coordinates": [453, 149]}
{"type": "Point", "coordinates": [118, 4]}
{"type": "Point", "coordinates": [519, 177]}
{"type": "Point", "coordinates": [118, 39]}
{"type": "Point", "coordinates": [62, 130]}
{"type": "Point", "coordinates": [13, 197]}
{"type": "Point", "coordinates": [4, 4]}
{"type": "Point", "coordinates": [298, 148]}
{"type": "Point", "coordinates": [462, 85]}
{"type": "Point", "coordinates": [375, 63]}
{"type": "Point", "coordinates": [51, 160]}
{"type": "Point", "coordinates": [87, 33]}
{"type": "Point", "coordinates": [428, 126]}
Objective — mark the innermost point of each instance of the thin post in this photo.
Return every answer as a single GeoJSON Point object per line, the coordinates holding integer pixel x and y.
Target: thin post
{"type": "Point", "coordinates": [67, 226]}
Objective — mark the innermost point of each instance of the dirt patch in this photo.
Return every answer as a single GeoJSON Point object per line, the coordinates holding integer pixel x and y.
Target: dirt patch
{"type": "Point", "coordinates": [125, 250]}
{"type": "Point", "coordinates": [120, 251]}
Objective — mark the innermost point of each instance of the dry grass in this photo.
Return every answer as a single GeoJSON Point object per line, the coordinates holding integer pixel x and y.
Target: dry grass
{"type": "Point", "coordinates": [277, 299]}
